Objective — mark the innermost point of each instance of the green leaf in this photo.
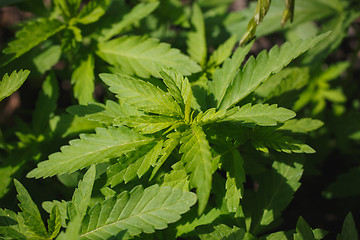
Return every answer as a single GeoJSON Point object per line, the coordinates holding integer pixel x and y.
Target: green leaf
{"type": "Point", "coordinates": [177, 179]}
{"type": "Point", "coordinates": [106, 114]}
{"type": "Point", "coordinates": [47, 58]}
{"type": "Point", "coordinates": [276, 189]}
{"type": "Point", "coordinates": [222, 52]}
{"type": "Point", "coordinates": [92, 11]}
{"type": "Point", "coordinates": [139, 12]}
{"type": "Point", "coordinates": [83, 80]}
{"type": "Point", "coordinates": [90, 149]}
{"type": "Point", "coordinates": [235, 178]}
{"type": "Point", "coordinates": [179, 88]}
{"type": "Point", "coordinates": [140, 56]}
{"type": "Point", "coordinates": [348, 231]}
{"type": "Point", "coordinates": [169, 145]}
{"type": "Point", "coordinates": [210, 116]}
{"type": "Point", "coordinates": [302, 125]}
{"type": "Point", "coordinates": [45, 104]}
{"type": "Point", "coordinates": [147, 124]}
{"type": "Point", "coordinates": [224, 76]}
{"type": "Point", "coordinates": [196, 39]}
{"type": "Point", "coordinates": [141, 95]}
{"type": "Point", "coordinates": [10, 84]}
{"type": "Point", "coordinates": [72, 231]}
{"type": "Point", "coordinates": [31, 35]}
{"type": "Point", "coordinates": [54, 222]}
{"type": "Point", "coordinates": [303, 231]}
{"type": "Point", "coordinates": [260, 114]}
{"type": "Point", "coordinates": [197, 159]}
{"type": "Point", "coordinates": [61, 206]}
{"type": "Point", "coordinates": [30, 213]}
{"type": "Point", "coordinates": [262, 138]}
{"type": "Point", "coordinates": [134, 164]}
{"type": "Point", "coordinates": [82, 195]}
{"type": "Point", "coordinates": [289, 79]}
{"type": "Point", "coordinates": [9, 225]}
{"type": "Point", "coordinates": [256, 71]}
{"type": "Point", "coordinates": [220, 232]}
{"type": "Point", "coordinates": [136, 212]}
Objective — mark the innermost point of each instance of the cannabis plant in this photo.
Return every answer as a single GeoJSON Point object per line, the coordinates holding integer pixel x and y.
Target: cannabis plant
{"type": "Point", "coordinates": [211, 144]}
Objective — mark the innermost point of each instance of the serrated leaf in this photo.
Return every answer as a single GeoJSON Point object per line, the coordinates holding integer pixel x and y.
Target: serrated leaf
{"type": "Point", "coordinates": [264, 138]}
{"type": "Point", "coordinates": [260, 114]}
{"type": "Point", "coordinates": [92, 11]}
{"type": "Point", "coordinates": [288, 79]}
{"type": "Point", "coordinates": [137, 13]}
{"type": "Point", "coordinates": [83, 80]}
{"type": "Point", "coordinates": [107, 114]}
{"type": "Point", "coordinates": [276, 189]}
{"type": "Point", "coordinates": [179, 88]}
{"type": "Point", "coordinates": [222, 52]}
{"type": "Point", "coordinates": [30, 213]}
{"type": "Point", "coordinates": [177, 179]}
{"type": "Point", "coordinates": [82, 195]}
{"type": "Point", "coordinates": [220, 232]}
{"type": "Point", "coordinates": [136, 212]}
{"type": "Point", "coordinates": [302, 125]}
{"type": "Point", "coordinates": [54, 222]}
{"type": "Point", "coordinates": [140, 55]}
{"type": "Point", "coordinates": [303, 230]}
{"type": "Point", "coordinates": [256, 71]}
{"type": "Point", "coordinates": [141, 95]}
{"type": "Point", "coordinates": [348, 231]}
{"type": "Point", "coordinates": [169, 145]}
{"type": "Point", "coordinates": [147, 124]}
{"type": "Point", "coordinates": [197, 160]}
{"type": "Point", "coordinates": [90, 149]}
{"type": "Point", "coordinates": [134, 164]}
{"type": "Point", "coordinates": [9, 225]}
{"type": "Point", "coordinates": [72, 231]}
{"type": "Point", "coordinates": [196, 39]}
{"type": "Point", "coordinates": [61, 206]}
{"type": "Point", "coordinates": [10, 84]}
{"type": "Point", "coordinates": [224, 76]}
{"type": "Point", "coordinates": [235, 178]}
{"type": "Point", "coordinates": [210, 116]}
{"type": "Point", "coordinates": [31, 35]}
{"type": "Point", "coordinates": [45, 104]}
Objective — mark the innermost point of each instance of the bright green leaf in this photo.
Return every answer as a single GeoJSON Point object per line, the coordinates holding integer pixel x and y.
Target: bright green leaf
{"type": "Point", "coordinates": [83, 80]}
{"type": "Point", "coordinates": [10, 84]}
{"type": "Point", "coordinates": [90, 149]}
{"type": "Point", "coordinates": [197, 159]}
{"type": "Point", "coordinates": [31, 35]}
{"type": "Point", "coordinates": [140, 56]}
{"type": "Point", "coordinates": [141, 95]}
{"type": "Point", "coordinates": [30, 213]}
{"type": "Point", "coordinates": [141, 210]}
{"type": "Point", "coordinates": [260, 114]}
{"type": "Point", "coordinates": [196, 39]}
{"type": "Point", "coordinates": [256, 71]}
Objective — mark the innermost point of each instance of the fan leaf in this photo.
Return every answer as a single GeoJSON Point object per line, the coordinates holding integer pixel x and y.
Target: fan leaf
{"type": "Point", "coordinates": [10, 84]}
